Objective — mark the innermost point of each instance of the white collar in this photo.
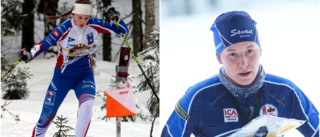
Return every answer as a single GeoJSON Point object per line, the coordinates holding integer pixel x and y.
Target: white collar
{"type": "Point", "coordinates": [76, 27]}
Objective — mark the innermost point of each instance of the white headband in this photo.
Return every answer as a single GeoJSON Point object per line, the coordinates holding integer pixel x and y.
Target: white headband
{"type": "Point", "coordinates": [84, 9]}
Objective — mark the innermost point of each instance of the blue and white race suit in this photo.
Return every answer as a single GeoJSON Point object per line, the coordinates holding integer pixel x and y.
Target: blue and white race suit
{"type": "Point", "coordinates": [73, 70]}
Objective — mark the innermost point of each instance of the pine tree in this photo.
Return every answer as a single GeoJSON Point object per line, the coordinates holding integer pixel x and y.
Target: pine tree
{"type": "Point", "coordinates": [60, 123]}
{"type": "Point", "coordinates": [150, 65]}
{"type": "Point", "coordinates": [14, 85]}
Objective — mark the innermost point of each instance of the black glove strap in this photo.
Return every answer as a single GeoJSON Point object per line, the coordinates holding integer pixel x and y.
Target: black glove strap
{"type": "Point", "coordinates": [257, 104]}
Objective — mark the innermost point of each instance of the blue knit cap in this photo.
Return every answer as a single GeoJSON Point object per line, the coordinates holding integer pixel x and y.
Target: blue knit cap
{"type": "Point", "coordinates": [233, 27]}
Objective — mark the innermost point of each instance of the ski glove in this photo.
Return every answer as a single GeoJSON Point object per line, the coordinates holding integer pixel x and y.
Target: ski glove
{"type": "Point", "coordinates": [25, 55]}
{"type": "Point", "coordinates": [111, 13]}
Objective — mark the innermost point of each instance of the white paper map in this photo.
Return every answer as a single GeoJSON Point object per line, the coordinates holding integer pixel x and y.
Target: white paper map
{"type": "Point", "coordinates": [276, 126]}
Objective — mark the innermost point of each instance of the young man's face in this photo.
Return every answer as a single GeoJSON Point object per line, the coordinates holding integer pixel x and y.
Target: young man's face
{"type": "Point", "coordinates": [241, 62]}
{"type": "Point", "coordinates": [80, 20]}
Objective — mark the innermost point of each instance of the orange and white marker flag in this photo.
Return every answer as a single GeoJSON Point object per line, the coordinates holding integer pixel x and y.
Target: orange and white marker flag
{"type": "Point", "coordinates": [120, 102]}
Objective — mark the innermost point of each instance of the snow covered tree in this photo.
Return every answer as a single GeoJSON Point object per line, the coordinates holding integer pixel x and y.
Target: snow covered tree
{"type": "Point", "coordinates": [14, 85]}
{"type": "Point", "coordinates": [150, 65]}
{"type": "Point", "coordinates": [61, 124]}
{"type": "Point", "coordinates": [11, 17]}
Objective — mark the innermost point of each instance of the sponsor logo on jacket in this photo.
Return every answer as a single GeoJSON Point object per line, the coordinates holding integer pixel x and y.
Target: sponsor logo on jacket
{"type": "Point", "coordinates": [230, 115]}
{"type": "Point", "coordinates": [181, 112]}
{"type": "Point", "coordinates": [56, 33]}
{"type": "Point", "coordinates": [70, 39]}
{"type": "Point", "coordinates": [268, 109]}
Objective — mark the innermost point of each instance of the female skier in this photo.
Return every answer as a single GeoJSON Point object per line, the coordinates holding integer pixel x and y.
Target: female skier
{"type": "Point", "coordinates": [75, 38]}
{"type": "Point", "coordinates": [223, 104]}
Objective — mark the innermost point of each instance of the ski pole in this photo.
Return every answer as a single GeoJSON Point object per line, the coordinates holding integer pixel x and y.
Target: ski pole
{"type": "Point", "coordinates": [125, 40]}
{"type": "Point", "coordinates": [5, 74]}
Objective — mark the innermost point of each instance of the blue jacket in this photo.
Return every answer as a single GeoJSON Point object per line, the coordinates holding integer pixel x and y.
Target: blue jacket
{"type": "Point", "coordinates": [75, 44]}
{"type": "Point", "coordinates": [207, 109]}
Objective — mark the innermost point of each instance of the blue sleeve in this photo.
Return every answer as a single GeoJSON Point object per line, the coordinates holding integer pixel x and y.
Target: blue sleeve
{"type": "Point", "coordinates": [305, 110]}
{"type": "Point", "coordinates": [183, 119]}
{"type": "Point", "coordinates": [102, 26]}
{"type": "Point", "coordinates": [51, 39]}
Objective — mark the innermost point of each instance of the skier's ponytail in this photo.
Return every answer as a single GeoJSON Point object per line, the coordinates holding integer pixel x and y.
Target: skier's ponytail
{"type": "Point", "coordinates": [83, 2]}
{"type": "Point", "coordinates": [53, 18]}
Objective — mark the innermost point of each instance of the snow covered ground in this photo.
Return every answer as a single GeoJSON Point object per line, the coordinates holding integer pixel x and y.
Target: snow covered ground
{"type": "Point", "coordinates": [29, 109]}
{"type": "Point", "coordinates": [289, 37]}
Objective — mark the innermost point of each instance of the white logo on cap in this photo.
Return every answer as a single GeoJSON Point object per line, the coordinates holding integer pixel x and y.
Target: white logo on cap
{"type": "Point", "coordinates": [240, 32]}
{"type": "Point", "coordinates": [218, 46]}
